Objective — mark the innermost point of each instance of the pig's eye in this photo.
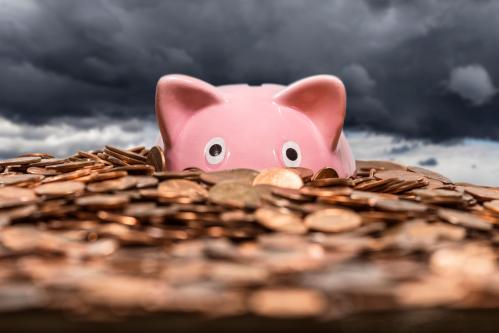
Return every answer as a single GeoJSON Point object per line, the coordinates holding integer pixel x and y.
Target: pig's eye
{"type": "Point", "coordinates": [291, 154]}
{"type": "Point", "coordinates": [214, 151]}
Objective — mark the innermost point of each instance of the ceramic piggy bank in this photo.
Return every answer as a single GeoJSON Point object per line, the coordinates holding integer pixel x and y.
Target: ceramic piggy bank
{"type": "Point", "coordinates": [242, 126]}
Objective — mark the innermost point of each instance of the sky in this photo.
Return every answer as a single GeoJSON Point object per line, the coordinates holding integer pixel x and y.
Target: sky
{"type": "Point", "coordinates": [79, 74]}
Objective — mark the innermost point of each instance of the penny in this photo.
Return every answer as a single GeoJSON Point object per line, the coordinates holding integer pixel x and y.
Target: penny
{"type": "Point", "coordinates": [379, 165]}
{"type": "Point", "coordinates": [465, 219]}
{"type": "Point", "coordinates": [278, 177]}
{"type": "Point", "coordinates": [240, 175]}
{"type": "Point", "coordinates": [69, 166]}
{"type": "Point", "coordinates": [280, 220]}
{"type": "Point", "coordinates": [20, 160]}
{"type": "Point", "coordinates": [118, 184]}
{"type": "Point", "coordinates": [20, 178]}
{"type": "Point", "coordinates": [430, 174]}
{"type": "Point", "coordinates": [156, 158]}
{"type": "Point", "coordinates": [15, 196]}
{"type": "Point", "coordinates": [333, 220]}
{"type": "Point", "coordinates": [102, 201]}
{"type": "Point", "coordinates": [482, 193]}
{"type": "Point", "coordinates": [287, 303]}
{"type": "Point", "coordinates": [492, 205]}
{"type": "Point", "coordinates": [60, 188]}
{"type": "Point", "coordinates": [234, 194]}
{"type": "Point", "coordinates": [126, 153]}
{"type": "Point", "coordinates": [181, 188]}
{"type": "Point", "coordinates": [326, 172]}
{"type": "Point", "coordinates": [401, 206]}
{"type": "Point", "coordinates": [399, 174]}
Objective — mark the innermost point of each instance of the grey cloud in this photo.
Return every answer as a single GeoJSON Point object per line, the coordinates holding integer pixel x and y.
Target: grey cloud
{"type": "Point", "coordinates": [472, 83]}
{"type": "Point", "coordinates": [101, 58]}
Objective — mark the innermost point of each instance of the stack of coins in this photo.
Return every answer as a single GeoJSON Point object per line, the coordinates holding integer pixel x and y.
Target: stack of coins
{"type": "Point", "coordinates": [111, 233]}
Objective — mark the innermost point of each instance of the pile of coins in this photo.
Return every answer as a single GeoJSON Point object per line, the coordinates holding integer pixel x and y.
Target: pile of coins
{"type": "Point", "coordinates": [109, 233]}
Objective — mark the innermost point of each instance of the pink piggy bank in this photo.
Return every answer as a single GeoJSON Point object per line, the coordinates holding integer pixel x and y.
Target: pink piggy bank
{"type": "Point", "coordinates": [257, 127]}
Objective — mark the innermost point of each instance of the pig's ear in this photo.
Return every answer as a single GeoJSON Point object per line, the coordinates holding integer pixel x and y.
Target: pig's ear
{"type": "Point", "coordinates": [323, 99]}
{"type": "Point", "coordinates": [178, 97]}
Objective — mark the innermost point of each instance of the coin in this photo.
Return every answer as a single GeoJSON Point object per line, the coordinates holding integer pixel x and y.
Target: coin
{"type": "Point", "coordinates": [333, 220]}
{"type": "Point", "coordinates": [102, 201]}
{"type": "Point", "coordinates": [482, 193]}
{"type": "Point", "coordinates": [240, 175]}
{"type": "Point", "coordinates": [430, 174]}
{"type": "Point", "coordinates": [20, 161]}
{"type": "Point", "coordinates": [156, 158]}
{"type": "Point", "coordinates": [326, 172]}
{"type": "Point", "coordinates": [60, 188]}
{"type": "Point", "coordinates": [233, 193]}
{"type": "Point", "coordinates": [280, 220]}
{"type": "Point", "coordinates": [19, 178]}
{"type": "Point", "coordinates": [278, 177]}
{"type": "Point", "coordinates": [287, 302]}
{"type": "Point", "coordinates": [181, 188]}
{"type": "Point", "coordinates": [465, 219]}
{"type": "Point", "coordinates": [15, 196]}
{"type": "Point", "coordinates": [492, 205]}
{"type": "Point", "coordinates": [401, 206]}
{"type": "Point", "coordinates": [122, 183]}
{"type": "Point", "coordinates": [399, 174]}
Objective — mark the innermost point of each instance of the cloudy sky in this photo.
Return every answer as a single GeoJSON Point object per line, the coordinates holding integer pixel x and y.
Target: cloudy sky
{"type": "Point", "coordinates": [422, 76]}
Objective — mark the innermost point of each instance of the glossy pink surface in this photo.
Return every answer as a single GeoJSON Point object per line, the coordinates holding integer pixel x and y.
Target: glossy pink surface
{"type": "Point", "coordinates": [241, 126]}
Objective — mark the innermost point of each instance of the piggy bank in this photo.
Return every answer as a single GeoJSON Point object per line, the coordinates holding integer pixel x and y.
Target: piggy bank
{"type": "Point", "coordinates": [257, 127]}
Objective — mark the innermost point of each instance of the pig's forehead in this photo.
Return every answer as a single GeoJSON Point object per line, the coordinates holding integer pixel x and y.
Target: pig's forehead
{"type": "Point", "coordinates": [235, 92]}
{"type": "Point", "coordinates": [240, 119]}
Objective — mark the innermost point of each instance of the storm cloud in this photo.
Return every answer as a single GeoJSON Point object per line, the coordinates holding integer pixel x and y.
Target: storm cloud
{"type": "Point", "coordinates": [423, 69]}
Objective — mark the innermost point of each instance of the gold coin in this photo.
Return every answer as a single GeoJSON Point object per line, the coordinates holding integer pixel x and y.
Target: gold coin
{"type": "Point", "coordinates": [333, 220]}
{"type": "Point", "coordinates": [278, 177]}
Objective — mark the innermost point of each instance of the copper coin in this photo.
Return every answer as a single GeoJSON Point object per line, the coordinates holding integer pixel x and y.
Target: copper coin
{"type": "Point", "coordinates": [287, 302]}
{"type": "Point", "coordinates": [181, 188]}
{"type": "Point", "coordinates": [278, 177]}
{"type": "Point", "coordinates": [20, 178]}
{"type": "Point", "coordinates": [465, 219]}
{"type": "Point", "coordinates": [103, 201]}
{"type": "Point", "coordinates": [333, 220]}
{"type": "Point", "coordinates": [483, 193]}
{"type": "Point", "coordinates": [240, 175]}
{"type": "Point", "coordinates": [401, 206]}
{"type": "Point", "coordinates": [15, 196]}
{"type": "Point", "coordinates": [118, 184]}
{"type": "Point", "coordinates": [20, 161]}
{"type": "Point", "coordinates": [399, 174]}
{"type": "Point", "coordinates": [280, 220]}
{"type": "Point", "coordinates": [156, 158]}
{"type": "Point", "coordinates": [60, 188]}
{"type": "Point", "coordinates": [234, 194]}
{"type": "Point", "coordinates": [430, 174]}
{"type": "Point", "coordinates": [126, 153]}
{"type": "Point", "coordinates": [492, 205]}
{"type": "Point", "coordinates": [326, 172]}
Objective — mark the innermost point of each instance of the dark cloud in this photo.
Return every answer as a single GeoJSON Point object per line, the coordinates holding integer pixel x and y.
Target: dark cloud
{"type": "Point", "coordinates": [432, 161]}
{"type": "Point", "coordinates": [402, 61]}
